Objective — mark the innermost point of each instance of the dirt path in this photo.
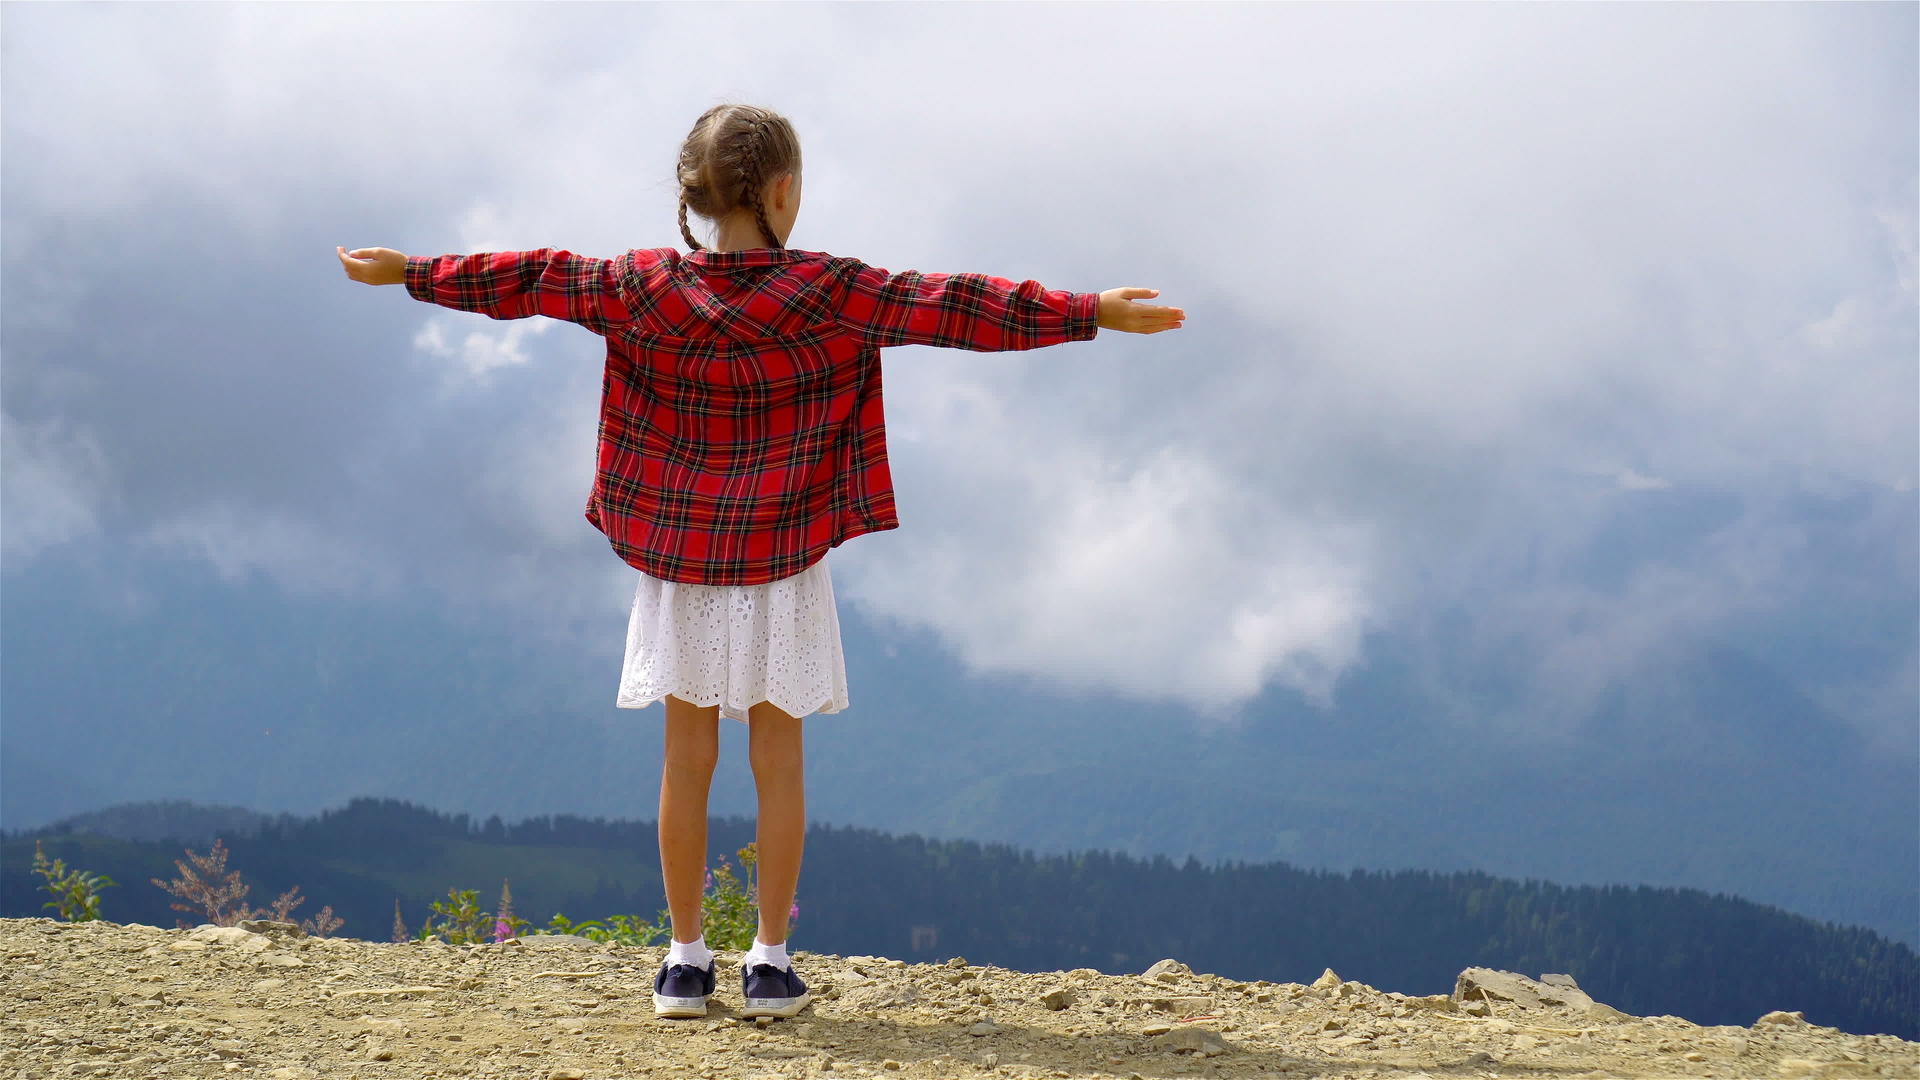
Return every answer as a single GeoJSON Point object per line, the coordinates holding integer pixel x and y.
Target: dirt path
{"type": "Point", "coordinates": [132, 1001]}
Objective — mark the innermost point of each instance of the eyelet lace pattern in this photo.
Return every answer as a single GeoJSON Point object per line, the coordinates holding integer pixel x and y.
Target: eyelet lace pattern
{"type": "Point", "coordinates": [737, 645]}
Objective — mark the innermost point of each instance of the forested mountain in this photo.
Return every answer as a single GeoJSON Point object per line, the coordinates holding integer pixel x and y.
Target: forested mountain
{"type": "Point", "coordinates": [1713, 959]}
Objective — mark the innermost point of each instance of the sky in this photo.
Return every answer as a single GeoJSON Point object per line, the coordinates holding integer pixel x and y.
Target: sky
{"type": "Point", "coordinates": [1548, 338]}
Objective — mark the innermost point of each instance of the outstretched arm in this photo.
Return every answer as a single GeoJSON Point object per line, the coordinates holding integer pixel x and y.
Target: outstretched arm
{"type": "Point", "coordinates": [501, 284]}
{"type": "Point", "coordinates": [986, 313]}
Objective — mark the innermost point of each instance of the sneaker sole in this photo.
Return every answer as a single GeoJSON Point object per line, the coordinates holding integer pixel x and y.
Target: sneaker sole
{"type": "Point", "coordinates": [775, 1006]}
{"type": "Point", "coordinates": [678, 1006]}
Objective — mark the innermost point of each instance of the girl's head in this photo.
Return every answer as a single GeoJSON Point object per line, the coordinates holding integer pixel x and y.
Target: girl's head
{"type": "Point", "coordinates": [740, 169]}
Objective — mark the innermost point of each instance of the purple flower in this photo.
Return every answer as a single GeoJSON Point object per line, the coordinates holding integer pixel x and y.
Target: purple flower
{"type": "Point", "coordinates": [794, 911]}
{"type": "Point", "coordinates": [501, 931]}
{"type": "Point", "coordinates": [709, 883]}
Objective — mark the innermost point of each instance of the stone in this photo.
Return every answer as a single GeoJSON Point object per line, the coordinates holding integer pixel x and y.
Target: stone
{"type": "Point", "coordinates": [1168, 970]}
{"type": "Point", "coordinates": [1193, 1039]}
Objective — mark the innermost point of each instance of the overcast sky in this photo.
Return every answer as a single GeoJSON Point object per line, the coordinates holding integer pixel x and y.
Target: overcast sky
{"type": "Point", "coordinates": [1555, 333]}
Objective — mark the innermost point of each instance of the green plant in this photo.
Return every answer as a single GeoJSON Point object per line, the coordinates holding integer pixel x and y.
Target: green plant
{"type": "Point", "coordinates": [729, 914]}
{"type": "Point", "coordinates": [73, 891]}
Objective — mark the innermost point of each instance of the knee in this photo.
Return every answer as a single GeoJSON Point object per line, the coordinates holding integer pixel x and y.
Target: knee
{"type": "Point", "coordinates": [692, 737]}
{"type": "Point", "coordinates": [773, 740]}
{"type": "Point", "coordinates": [768, 761]}
{"type": "Point", "coordinates": [693, 760]}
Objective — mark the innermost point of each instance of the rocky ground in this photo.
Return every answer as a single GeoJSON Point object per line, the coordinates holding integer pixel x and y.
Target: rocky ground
{"type": "Point", "coordinates": [263, 1000]}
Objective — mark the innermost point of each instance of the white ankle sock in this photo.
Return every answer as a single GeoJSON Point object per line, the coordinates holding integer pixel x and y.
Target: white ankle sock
{"type": "Point", "coordinates": [763, 953]}
{"type": "Point", "coordinates": [693, 952]}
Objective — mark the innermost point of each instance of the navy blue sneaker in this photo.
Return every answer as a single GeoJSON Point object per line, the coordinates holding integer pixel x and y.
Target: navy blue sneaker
{"type": "Point", "coordinates": [683, 989]}
{"type": "Point", "coordinates": [772, 991]}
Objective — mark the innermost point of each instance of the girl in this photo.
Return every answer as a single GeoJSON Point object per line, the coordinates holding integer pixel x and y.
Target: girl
{"type": "Point", "coordinates": [740, 438]}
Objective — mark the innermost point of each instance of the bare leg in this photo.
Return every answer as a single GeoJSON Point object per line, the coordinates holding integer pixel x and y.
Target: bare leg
{"type": "Point", "coordinates": [779, 776]}
{"type": "Point", "coordinates": [686, 776]}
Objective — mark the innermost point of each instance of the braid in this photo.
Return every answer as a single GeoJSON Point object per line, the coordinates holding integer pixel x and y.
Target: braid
{"type": "Point", "coordinates": [692, 244]}
{"type": "Point", "coordinates": [725, 165]}
{"type": "Point", "coordinates": [755, 179]}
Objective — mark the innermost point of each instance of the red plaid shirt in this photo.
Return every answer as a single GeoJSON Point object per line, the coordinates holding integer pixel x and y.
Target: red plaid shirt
{"type": "Point", "coordinates": [741, 433]}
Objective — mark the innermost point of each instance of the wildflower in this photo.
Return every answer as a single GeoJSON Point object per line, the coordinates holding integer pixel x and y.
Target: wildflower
{"type": "Point", "coordinates": [501, 931]}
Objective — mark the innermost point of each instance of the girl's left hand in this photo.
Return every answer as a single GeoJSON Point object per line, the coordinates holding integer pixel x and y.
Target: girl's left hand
{"type": "Point", "coordinates": [375, 266]}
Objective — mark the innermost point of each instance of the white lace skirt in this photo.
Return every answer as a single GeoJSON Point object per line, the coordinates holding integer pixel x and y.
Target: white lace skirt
{"type": "Point", "coordinates": [737, 645]}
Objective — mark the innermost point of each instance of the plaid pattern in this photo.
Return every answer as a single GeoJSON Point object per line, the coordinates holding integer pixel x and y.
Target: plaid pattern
{"type": "Point", "coordinates": [741, 432]}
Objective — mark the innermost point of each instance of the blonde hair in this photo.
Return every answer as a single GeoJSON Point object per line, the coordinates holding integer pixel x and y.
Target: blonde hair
{"type": "Point", "coordinates": [730, 157]}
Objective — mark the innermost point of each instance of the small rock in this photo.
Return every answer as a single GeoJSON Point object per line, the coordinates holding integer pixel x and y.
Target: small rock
{"type": "Point", "coordinates": [1058, 999]}
{"type": "Point", "coordinates": [273, 928]}
{"type": "Point", "coordinates": [1168, 970]}
{"type": "Point", "coordinates": [1203, 1041]}
{"type": "Point", "coordinates": [1776, 1018]}
{"type": "Point", "coordinates": [1156, 1029]}
{"type": "Point", "coordinates": [225, 935]}
{"type": "Point", "coordinates": [1184, 1004]}
{"type": "Point", "coordinates": [1487, 984]}
{"type": "Point", "coordinates": [890, 1064]}
{"type": "Point", "coordinates": [565, 1074]}
{"type": "Point", "coordinates": [882, 996]}
{"type": "Point", "coordinates": [956, 961]}
{"type": "Point", "coordinates": [1327, 980]}
{"type": "Point", "coordinates": [983, 1027]}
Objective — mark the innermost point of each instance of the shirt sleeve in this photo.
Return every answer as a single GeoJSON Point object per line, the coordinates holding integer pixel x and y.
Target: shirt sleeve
{"type": "Point", "coordinates": [518, 284]}
{"type": "Point", "coordinates": [962, 311]}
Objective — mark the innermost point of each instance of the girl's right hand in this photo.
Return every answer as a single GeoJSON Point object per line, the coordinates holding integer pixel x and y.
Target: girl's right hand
{"type": "Point", "coordinates": [375, 266]}
{"type": "Point", "coordinates": [1119, 312]}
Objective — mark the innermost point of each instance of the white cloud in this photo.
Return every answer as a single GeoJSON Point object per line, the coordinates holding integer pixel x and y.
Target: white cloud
{"type": "Point", "coordinates": [1633, 481]}
{"type": "Point", "coordinates": [239, 542]}
{"type": "Point", "coordinates": [480, 352]}
{"type": "Point", "coordinates": [1435, 261]}
{"type": "Point", "coordinates": [53, 480]}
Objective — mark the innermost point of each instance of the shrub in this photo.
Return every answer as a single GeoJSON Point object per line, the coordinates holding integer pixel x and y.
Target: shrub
{"type": "Point", "coordinates": [73, 891]}
{"type": "Point", "coordinates": [213, 899]}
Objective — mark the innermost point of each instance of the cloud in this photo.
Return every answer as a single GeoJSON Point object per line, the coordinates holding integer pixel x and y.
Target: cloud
{"type": "Point", "coordinates": [51, 486]}
{"type": "Point", "coordinates": [479, 352]}
{"type": "Point", "coordinates": [1462, 286]}
{"type": "Point", "coordinates": [1633, 481]}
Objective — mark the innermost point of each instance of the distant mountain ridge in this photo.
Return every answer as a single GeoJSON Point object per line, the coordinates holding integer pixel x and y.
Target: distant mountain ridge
{"type": "Point", "coordinates": [1709, 769]}
{"type": "Point", "coordinates": [864, 891]}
